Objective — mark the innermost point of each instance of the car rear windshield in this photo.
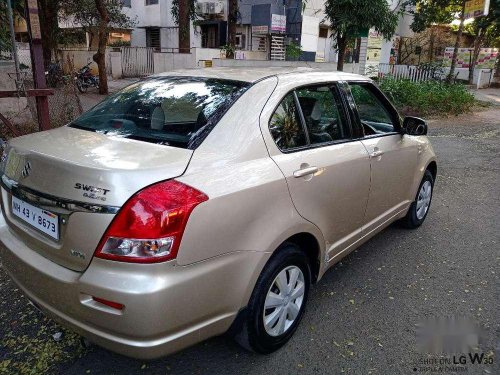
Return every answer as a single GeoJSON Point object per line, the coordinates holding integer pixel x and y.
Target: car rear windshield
{"type": "Point", "coordinates": [174, 111]}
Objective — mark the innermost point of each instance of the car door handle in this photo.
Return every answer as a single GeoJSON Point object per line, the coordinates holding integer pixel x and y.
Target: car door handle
{"type": "Point", "coordinates": [376, 153]}
{"type": "Point", "coordinates": [305, 171]}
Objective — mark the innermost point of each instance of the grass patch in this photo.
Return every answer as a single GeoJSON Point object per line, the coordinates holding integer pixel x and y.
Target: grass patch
{"type": "Point", "coordinates": [428, 97]}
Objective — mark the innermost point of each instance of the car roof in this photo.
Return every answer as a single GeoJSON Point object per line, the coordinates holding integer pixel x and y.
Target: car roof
{"type": "Point", "coordinates": [252, 75]}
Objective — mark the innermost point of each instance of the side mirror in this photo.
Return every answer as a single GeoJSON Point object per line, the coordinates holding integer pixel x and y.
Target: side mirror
{"type": "Point", "coordinates": [414, 126]}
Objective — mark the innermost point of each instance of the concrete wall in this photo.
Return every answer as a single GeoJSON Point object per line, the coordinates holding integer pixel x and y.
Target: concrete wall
{"type": "Point", "coordinates": [80, 58]}
{"type": "Point", "coordinates": [164, 62]}
{"type": "Point", "coordinates": [348, 68]}
{"type": "Point", "coordinates": [206, 54]}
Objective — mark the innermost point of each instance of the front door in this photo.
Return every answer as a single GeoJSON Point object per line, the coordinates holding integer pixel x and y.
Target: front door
{"type": "Point", "coordinates": [393, 156]}
{"type": "Point", "coordinates": [328, 173]}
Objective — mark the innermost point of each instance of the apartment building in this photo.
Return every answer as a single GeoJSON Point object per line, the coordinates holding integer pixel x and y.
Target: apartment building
{"type": "Point", "coordinates": [263, 25]}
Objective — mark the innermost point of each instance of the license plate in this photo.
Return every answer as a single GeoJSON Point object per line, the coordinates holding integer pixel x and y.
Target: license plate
{"type": "Point", "coordinates": [43, 220]}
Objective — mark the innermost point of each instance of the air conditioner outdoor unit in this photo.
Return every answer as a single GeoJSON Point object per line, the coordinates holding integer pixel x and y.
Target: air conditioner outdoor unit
{"type": "Point", "coordinates": [218, 7]}
{"type": "Point", "coordinates": [201, 8]}
{"type": "Point", "coordinates": [210, 7]}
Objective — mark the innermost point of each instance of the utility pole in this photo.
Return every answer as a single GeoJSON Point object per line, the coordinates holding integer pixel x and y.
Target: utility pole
{"type": "Point", "coordinates": [14, 46]}
{"type": "Point", "coordinates": [37, 65]}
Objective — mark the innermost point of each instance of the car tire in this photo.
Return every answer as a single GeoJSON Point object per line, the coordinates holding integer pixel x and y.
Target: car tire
{"type": "Point", "coordinates": [420, 207]}
{"type": "Point", "coordinates": [255, 335]}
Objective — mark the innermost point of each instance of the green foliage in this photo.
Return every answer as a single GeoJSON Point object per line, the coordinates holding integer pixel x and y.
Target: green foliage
{"type": "Point", "coordinates": [228, 50]}
{"type": "Point", "coordinates": [18, 11]}
{"type": "Point", "coordinates": [428, 97]}
{"type": "Point", "coordinates": [120, 43]}
{"type": "Point", "coordinates": [85, 13]}
{"type": "Point", "coordinates": [293, 51]}
{"type": "Point", "coordinates": [192, 11]}
{"type": "Point", "coordinates": [488, 25]}
{"type": "Point", "coordinates": [349, 17]}
{"type": "Point", "coordinates": [68, 37]}
{"type": "Point", "coordinates": [429, 12]}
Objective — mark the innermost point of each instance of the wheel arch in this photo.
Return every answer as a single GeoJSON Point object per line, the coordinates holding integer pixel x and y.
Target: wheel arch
{"type": "Point", "coordinates": [432, 167]}
{"type": "Point", "coordinates": [309, 244]}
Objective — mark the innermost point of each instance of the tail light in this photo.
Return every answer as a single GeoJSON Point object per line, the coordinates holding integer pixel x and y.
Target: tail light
{"type": "Point", "coordinates": [149, 226]}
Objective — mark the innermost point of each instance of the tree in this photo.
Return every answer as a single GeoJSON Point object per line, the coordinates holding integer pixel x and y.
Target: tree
{"type": "Point", "coordinates": [429, 12]}
{"type": "Point", "coordinates": [99, 56]}
{"type": "Point", "coordinates": [486, 30]}
{"type": "Point", "coordinates": [183, 12]}
{"type": "Point", "coordinates": [349, 18]}
{"type": "Point", "coordinates": [232, 19]}
{"type": "Point", "coordinates": [98, 17]}
{"type": "Point", "coordinates": [49, 27]}
{"type": "Point", "coordinates": [18, 11]}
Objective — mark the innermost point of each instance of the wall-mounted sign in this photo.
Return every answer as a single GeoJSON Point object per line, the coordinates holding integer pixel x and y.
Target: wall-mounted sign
{"type": "Point", "coordinates": [476, 8]}
{"type": "Point", "coordinates": [278, 23]}
{"type": "Point", "coordinates": [264, 29]}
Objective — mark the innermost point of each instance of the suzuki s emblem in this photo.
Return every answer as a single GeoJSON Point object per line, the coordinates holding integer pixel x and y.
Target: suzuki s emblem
{"type": "Point", "coordinates": [26, 170]}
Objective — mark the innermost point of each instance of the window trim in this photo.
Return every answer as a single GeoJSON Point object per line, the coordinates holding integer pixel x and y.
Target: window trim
{"type": "Point", "coordinates": [392, 111]}
{"type": "Point", "coordinates": [333, 85]}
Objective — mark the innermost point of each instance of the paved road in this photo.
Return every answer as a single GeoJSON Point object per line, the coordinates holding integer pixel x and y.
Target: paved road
{"type": "Point", "coordinates": [362, 316]}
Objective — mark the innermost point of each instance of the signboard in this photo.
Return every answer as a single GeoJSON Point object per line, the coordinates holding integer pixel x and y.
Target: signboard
{"type": "Point", "coordinates": [278, 23]}
{"type": "Point", "coordinates": [260, 29]}
{"type": "Point", "coordinates": [393, 58]}
{"type": "Point", "coordinates": [476, 8]}
{"type": "Point", "coordinates": [485, 60]}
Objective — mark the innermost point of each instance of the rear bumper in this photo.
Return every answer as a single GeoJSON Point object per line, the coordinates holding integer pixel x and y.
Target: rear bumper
{"type": "Point", "coordinates": [167, 307]}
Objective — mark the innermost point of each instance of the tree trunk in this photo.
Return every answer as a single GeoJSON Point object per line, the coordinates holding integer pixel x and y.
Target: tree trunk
{"type": "Point", "coordinates": [475, 53]}
{"type": "Point", "coordinates": [232, 18]}
{"type": "Point", "coordinates": [451, 75]}
{"type": "Point", "coordinates": [99, 56]}
{"type": "Point", "coordinates": [49, 27]}
{"type": "Point", "coordinates": [341, 47]}
{"type": "Point", "coordinates": [184, 27]}
{"type": "Point", "coordinates": [431, 44]}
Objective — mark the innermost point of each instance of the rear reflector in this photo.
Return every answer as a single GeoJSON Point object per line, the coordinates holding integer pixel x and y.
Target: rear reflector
{"type": "Point", "coordinates": [114, 305]}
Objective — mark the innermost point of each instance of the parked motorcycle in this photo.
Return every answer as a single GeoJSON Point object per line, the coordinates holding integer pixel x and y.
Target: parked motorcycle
{"type": "Point", "coordinates": [55, 76]}
{"type": "Point", "coordinates": [85, 79]}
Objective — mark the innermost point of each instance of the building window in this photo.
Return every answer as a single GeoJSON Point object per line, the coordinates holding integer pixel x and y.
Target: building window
{"type": "Point", "coordinates": [126, 3]}
{"type": "Point", "coordinates": [151, 2]}
{"type": "Point", "coordinates": [153, 37]}
{"type": "Point", "coordinates": [323, 31]}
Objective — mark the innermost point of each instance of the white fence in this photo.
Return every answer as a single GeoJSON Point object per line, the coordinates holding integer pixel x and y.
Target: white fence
{"type": "Point", "coordinates": [411, 72]}
{"type": "Point", "coordinates": [137, 61]}
{"type": "Point", "coordinates": [482, 77]}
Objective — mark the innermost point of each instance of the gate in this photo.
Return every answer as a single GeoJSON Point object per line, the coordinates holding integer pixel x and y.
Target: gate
{"type": "Point", "coordinates": [137, 61]}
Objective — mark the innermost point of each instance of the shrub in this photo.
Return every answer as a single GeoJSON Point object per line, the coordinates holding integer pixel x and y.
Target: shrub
{"type": "Point", "coordinates": [428, 97]}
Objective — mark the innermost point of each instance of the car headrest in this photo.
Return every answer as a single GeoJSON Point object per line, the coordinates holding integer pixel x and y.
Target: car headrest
{"type": "Point", "coordinates": [157, 118]}
{"type": "Point", "coordinates": [316, 111]}
{"type": "Point", "coordinates": [311, 107]}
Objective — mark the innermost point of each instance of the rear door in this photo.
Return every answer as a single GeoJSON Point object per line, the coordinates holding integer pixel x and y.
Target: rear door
{"type": "Point", "coordinates": [328, 173]}
{"type": "Point", "coordinates": [393, 156]}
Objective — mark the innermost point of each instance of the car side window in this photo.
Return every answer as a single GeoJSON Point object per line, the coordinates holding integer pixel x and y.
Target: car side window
{"type": "Point", "coordinates": [323, 114]}
{"type": "Point", "coordinates": [285, 125]}
{"type": "Point", "coordinates": [375, 117]}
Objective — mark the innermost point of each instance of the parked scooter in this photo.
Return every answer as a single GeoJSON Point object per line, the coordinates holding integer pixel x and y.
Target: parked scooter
{"type": "Point", "coordinates": [85, 79]}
